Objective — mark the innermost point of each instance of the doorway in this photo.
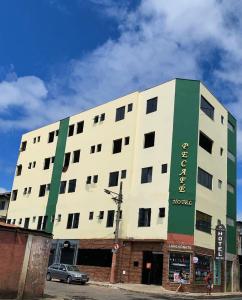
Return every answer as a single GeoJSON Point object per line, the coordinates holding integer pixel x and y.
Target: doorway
{"type": "Point", "coordinates": [67, 256]}
{"type": "Point", "coordinates": [152, 268]}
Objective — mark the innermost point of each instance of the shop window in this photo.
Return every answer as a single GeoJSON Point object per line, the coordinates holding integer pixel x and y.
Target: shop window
{"type": "Point", "coordinates": [62, 187]}
{"type": "Point", "coordinates": [72, 186]}
{"type": "Point", "coordinates": [19, 170]}
{"type": "Point", "coordinates": [94, 257]}
{"type": "Point", "coordinates": [202, 267]}
{"type": "Point", "coordinates": [164, 168]}
{"type": "Point", "coordinates": [205, 142]}
{"type": "Point", "coordinates": [144, 217]}
{"type": "Point", "coordinates": [146, 175]}
{"type": "Point", "coordinates": [205, 179]}
{"type": "Point", "coordinates": [151, 105]}
{"type": "Point", "coordinates": [113, 178]}
{"type": "Point", "coordinates": [80, 127]}
{"type": "Point", "coordinates": [120, 113]}
{"type": "Point", "coordinates": [76, 156]}
{"type": "Point", "coordinates": [149, 139]}
{"type": "Point", "coordinates": [207, 108]}
{"type": "Point", "coordinates": [117, 146]}
{"type": "Point", "coordinates": [177, 262]}
{"type": "Point", "coordinates": [203, 222]}
{"type": "Point", "coordinates": [51, 137]}
{"type": "Point", "coordinates": [110, 218]}
{"type": "Point", "coordinates": [14, 195]}
{"type": "Point", "coordinates": [71, 130]}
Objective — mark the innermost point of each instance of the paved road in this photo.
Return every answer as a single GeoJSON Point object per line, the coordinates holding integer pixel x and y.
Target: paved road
{"type": "Point", "coordinates": [92, 292]}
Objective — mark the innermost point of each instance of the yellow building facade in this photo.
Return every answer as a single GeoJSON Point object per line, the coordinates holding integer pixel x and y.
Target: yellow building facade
{"type": "Point", "coordinates": [173, 147]}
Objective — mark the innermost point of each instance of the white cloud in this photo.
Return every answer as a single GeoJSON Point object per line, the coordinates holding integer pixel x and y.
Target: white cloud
{"type": "Point", "coordinates": [159, 40]}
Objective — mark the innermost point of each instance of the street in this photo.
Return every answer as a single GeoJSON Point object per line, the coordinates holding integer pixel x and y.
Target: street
{"type": "Point", "coordinates": [93, 292]}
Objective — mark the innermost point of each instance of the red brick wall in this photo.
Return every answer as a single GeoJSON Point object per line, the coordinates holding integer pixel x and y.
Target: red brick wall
{"type": "Point", "coordinates": [12, 249]}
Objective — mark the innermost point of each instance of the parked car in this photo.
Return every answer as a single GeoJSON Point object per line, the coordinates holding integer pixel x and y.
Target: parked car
{"type": "Point", "coordinates": [68, 273]}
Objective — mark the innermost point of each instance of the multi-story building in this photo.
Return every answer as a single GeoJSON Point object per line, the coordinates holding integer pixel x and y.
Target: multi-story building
{"type": "Point", "coordinates": [4, 202]}
{"type": "Point", "coordinates": [173, 147]}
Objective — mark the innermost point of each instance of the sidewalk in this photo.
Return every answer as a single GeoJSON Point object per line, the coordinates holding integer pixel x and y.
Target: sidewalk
{"type": "Point", "coordinates": [159, 290]}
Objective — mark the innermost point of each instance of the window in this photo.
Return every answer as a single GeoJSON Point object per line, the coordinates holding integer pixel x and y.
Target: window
{"type": "Point", "coordinates": [164, 168]}
{"type": "Point", "coordinates": [94, 257]}
{"type": "Point", "coordinates": [102, 117]}
{"type": "Point", "coordinates": [123, 174]}
{"type": "Point", "coordinates": [95, 120]}
{"type": "Point", "coordinates": [149, 139]}
{"type": "Point", "coordinates": [207, 108]}
{"type": "Point", "coordinates": [29, 190]}
{"type": "Point", "coordinates": [30, 165]}
{"type": "Point", "coordinates": [66, 161]}
{"type": "Point", "coordinates": [34, 164]}
{"type": "Point", "coordinates": [222, 119]}
{"type": "Point", "coordinates": [151, 105]}
{"type": "Point", "coordinates": [19, 170]}
{"type": "Point", "coordinates": [47, 163]}
{"type": "Point", "coordinates": [72, 186]}
{"type": "Point", "coordinates": [92, 149]}
{"type": "Point", "coordinates": [231, 156]}
{"type": "Point", "coordinates": [162, 211]}
{"type": "Point", "coordinates": [26, 223]}
{"type": "Point", "coordinates": [76, 156]}
{"type": "Point", "coordinates": [203, 222]}
{"type": "Point", "coordinates": [59, 218]}
{"type": "Point", "coordinates": [144, 217]}
{"type": "Point", "coordinates": [23, 146]}
{"type": "Point", "coordinates": [42, 222]}
{"type": "Point", "coordinates": [89, 179]}
{"type": "Point", "coordinates": [120, 113]}
{"type": "Point", "coordinates": [110, 218]}
{"type": "Point", "coordinates": [80, 127]}
{"type": "Point", "coordinates": [146, 175]}
{"type": "Point", "coordinates": [71, 130]}
{"type": "Point", "coordinates": [51, 137]}
{"type": "Point", "coordinates": [202, 267]}
{"type": "Point", "coordinates": [73, 221]}
{"type": "Point", "coordinates": [2, 205]}
{"type": "Point", "coordinates": [231, 127]}
{"type": "Point", "coordinates": [38, 139]}
{"type": "Point", "coordinates": [34, 219]}
{"type": "Point", "coordinates": [101, 215]}
{"type": "Point", "coordinates": [20, 221]}
{"type": "Point", "coordinates": [34, 140]}
{"type": "Point", "coordinates": [95, 178]}
{"type": "Point", "coordinates": [42, 190]}
{"type": "Point", "coordinates": [113, 178]}
{"type": "Point", "coordinates": [14, 221]}
{"type": "Point", "coordinates": [91, 213]}
{"type": "Point", "coordinates": [25, 191]}
{"type": "Point", "coordinates": [126, 140]}
{"type": "Point", "coordinates": [205, 142]}
{"type": "Point", "coordinates": [221, 151]}
{"type": "Point", "coordinates": [57, 132]}
{"type": "Point", "coordinates": [62, 187]}
{"type": "Point", "coordinates": [117, 146]}
{"type": "Point", "coordinates": [99, 147]}
{"type": "Point", "coordinates": [230, 188]}
{"type": "Point", "coordinates": [130, 107]}
{"type": "Point", "coordinates": [205, 179]}
{"type": "Point", "coordinates": [220, 183]}
{"type": "Point", "coordinates": [14, 195]}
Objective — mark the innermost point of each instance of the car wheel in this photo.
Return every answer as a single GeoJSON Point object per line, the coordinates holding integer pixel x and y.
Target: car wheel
{"type": "Point", "coordinates": [68, 279]}
{"type": "Point", "coordinates": [48, 277]}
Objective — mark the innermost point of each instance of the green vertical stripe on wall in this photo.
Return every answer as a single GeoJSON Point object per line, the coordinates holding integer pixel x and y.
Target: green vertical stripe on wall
{"type": "Point", "coordinates": [185, 130]}
{"type": "Point", "coordinates": [231, 177]}
{"type": "Point", "coordinates": [56, 173]}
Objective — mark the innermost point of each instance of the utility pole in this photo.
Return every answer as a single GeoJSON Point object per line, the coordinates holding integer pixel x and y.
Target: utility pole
{"type": "Point", "coordinates": [118, 199]}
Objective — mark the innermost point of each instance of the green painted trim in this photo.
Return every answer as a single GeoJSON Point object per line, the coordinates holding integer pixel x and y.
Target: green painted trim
{"type": "Point", "coordinates": [231, 178]}
{"type": "Point", "coordinates": [56, 173]}
{"type": "Point", "coordinates": [185, 130]}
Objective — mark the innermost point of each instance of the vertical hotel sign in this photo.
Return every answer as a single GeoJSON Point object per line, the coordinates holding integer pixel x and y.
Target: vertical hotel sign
{"type": "Point", "coordinates": [183, 170]}
{"type": "Point", "coordinates": [220, 242]}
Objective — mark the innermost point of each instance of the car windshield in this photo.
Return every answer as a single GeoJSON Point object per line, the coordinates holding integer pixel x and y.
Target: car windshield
{"type": "Point", "coordinates": [72, 268]}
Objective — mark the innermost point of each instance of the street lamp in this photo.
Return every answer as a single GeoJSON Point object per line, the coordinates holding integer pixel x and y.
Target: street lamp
{"type": "Point", "coordinates": [118, 199]}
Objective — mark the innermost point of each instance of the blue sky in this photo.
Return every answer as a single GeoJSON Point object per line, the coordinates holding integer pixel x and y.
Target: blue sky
{"type": "Point", "coordinates": [72, 55]}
